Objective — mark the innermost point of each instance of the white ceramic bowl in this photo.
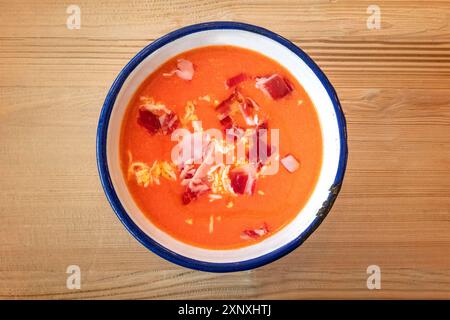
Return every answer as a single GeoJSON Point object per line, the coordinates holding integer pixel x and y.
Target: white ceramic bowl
{"type": "Point", "coordinates": [308, 74]}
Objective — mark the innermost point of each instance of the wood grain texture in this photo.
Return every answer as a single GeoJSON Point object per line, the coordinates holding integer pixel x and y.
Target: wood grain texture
{"type": "Point", "coordinates": [393, 210]}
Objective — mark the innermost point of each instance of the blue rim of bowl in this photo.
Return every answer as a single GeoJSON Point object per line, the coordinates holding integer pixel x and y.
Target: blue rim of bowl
{"type": "Point", "coordinates": [113, 199]}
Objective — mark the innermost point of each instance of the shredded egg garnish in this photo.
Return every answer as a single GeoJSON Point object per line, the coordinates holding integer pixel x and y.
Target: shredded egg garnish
{"type": "Point", "coordinates": [220, 181]}
{"type": "Point", "coordinates": [213, 197]}
{"type": "Point", "coordinates": [211, 224]}
{"type": "Point", "coordinates": [206, 98]}
{"type": "Point", "coordinates": [146, 175]}
{"type": "Point", "coordinates": [141, 171]}
{"type": "Point", "coordinates": [150, 104]}
{"type": "Point", "coordinates": [189, 115]}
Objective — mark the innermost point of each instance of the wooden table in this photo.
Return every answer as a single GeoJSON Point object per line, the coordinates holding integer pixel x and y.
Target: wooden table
{"type": "Point", "coordinates": [393, 210]}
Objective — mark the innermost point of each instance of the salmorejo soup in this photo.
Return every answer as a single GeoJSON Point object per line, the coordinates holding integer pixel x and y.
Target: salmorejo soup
{"type": "Point", "coordinates": [221, 147]}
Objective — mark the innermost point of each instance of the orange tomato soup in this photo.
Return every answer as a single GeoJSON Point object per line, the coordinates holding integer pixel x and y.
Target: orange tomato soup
{"type": "Point", "coordinates": [232, 206]}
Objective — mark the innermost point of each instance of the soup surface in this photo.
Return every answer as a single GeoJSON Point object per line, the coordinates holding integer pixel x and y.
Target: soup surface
{"type": "Point", "coordinates": [170, 156]}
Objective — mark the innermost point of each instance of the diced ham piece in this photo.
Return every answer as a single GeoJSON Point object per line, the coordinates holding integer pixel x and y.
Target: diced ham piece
{"type": "Point", "coordinates": [227, 122]}
{"type": "Point", "coordinates": [169, 122]}
{"type": "Point", "coordinates": [229, 105]}
{"type": "Point", "coordinates": [239, 182]}
{"type": "Point", "coordinates": [230, 111]}
{"type": "Point", "coordinates": [149, 121]}
{"type": "Point", "coordinates": [290, 163]}
{"type": "Point", "coordinates": [188, 196]}
{"type": "Point", "coordinates": [234, 81]}
{"type": "Point", "coordinates": [243, 180]}
{"type": "Point", "coordinates": [185, 70]}
{"type": "Point", "coordinates": [187, 172]}
{"type": "Point", "coordinates": [159, 120]}
{"type": "Point", "coordinates": [251, 105]}
{"type": "Point", "coordinates": [274, 86]}
{"type": "Point", "coordinates": [193, 190]}
{"type": "Point", "coordinates": [249, 109]}
{"type": "Point", "coordinates": [227, 108]}
{"type": "Point", "coordinates": [196, 183]}
{"type": "Point", "coordinates": [263, 124]}
{"type": "Point", "coordinates": [255, 233]}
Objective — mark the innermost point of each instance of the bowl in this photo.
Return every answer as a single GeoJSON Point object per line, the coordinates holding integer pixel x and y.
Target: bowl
{"type": "Point", "coordinates": [308, 74]}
